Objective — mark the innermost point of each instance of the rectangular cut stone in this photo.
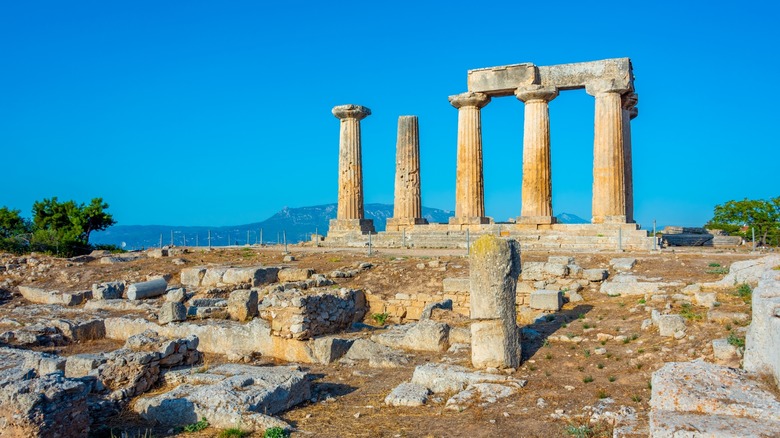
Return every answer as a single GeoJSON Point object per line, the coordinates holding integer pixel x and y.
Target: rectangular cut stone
{"type": "Point", "coordinates": [495, 265]}
{"type": "Point", "coordinates": [576, 75]}
{"type": "Point", "coordinates": [546, 300]}
{"type": "Point", "coordinates": [495, 343]}
{"type": "Point", "coordinates": [501, 80]}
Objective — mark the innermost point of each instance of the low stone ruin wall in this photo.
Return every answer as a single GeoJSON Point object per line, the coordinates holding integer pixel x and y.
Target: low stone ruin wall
{"type": "Point", "coordinates": [762, 344]}
{"type": "Point", "coordinates": [225, 276]}
{"type": "Point", "coordinates": [298, 315]}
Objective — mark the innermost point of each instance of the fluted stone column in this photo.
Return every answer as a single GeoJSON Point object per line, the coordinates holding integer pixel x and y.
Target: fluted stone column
{"type": "Point", "coordinates": [349, 216]}
{"type": "Point", "coordinates": [630, 112]}
{"type": "Point", "coordinates": [537, 175]}
{"type": "Point", "coordinates": [407, 206]}
{"type": "Point", "coordinates": [469, 186]}
{"type": "Point", "coordinates": [609, 190]}
{"type": "Point", "coordinates": [494, 268]}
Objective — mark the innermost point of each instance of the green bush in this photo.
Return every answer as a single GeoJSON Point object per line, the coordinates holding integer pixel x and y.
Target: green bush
{"type": "Point", "coordinates": [233, 432]}
{"type": "Point", "coordinates": [745, 292]}
{"type": "Point", "coordinates": [275, 432]}
{"type": "Point", "coordinates": [735, 340]}
{"type": "Point", "coordinates": [197, 427]}
{"type": "Point", "coordinates": [380, 318]}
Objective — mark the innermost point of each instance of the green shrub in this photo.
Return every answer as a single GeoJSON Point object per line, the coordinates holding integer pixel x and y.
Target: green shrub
{"type": "Point", "coordinates": [197, 427]}
{"type": "Point", "coordinates": [233, 432]}
{"type": "Point", "coordinates": [380, 318]}
{"type": "Point", "coordinates": [275, 432]}
{"type": "Point", "coordinates": [735, 340]}
{"type": "Point", "coordinates": [686, 311]}
{"type": "Point", "coordinates": [745, 292]}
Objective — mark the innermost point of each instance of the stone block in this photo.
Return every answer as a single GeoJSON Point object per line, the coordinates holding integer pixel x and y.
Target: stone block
{"type": "Point", "coordinates": [294, 274]}
{"type": "Point", "coordinates": [80, 365]}
{"type": "Point", "coordinates": [192, 276]}
{"type": "Point", "coordinates": [147, 289]}
{"type": "Point", "coordinates": [178, 295]}
{"type": "Point", "coordinates": [595, 274]}
{"type": "Point", "coordinates": [254, 276]}
{"type": "Point", "coordinates": [533, 271]}
{"type": "Point", "coordinates": [330, 349]}
{"type": "Point", "coordinates": [623, 263]}
{"type": "Point", "coordinates": [546, 300]}
{"type": "Point", "coordinates": [242, 304]}
{"type": "Point", "coordinates": [723, 352]}
{"type": "Point", "coordinates": [157, 253]}
{"type": "Point", "coordinates": [556, 270]}
{"type": "Point", "coordinates": [108, 291]}
{"type": "Point", "coordinates": [668, 325]}
{"type": "Point", "coordinates": [705, 299]}
{"type": "Point", "coordinates": [171, 312]}
{"type": "Point", "coordinates": [560, 260]}
{"type": "Point", "coordinates": [495, 343]}
{"type": "Point", "coordinates": [213, 277]}
{"type": "Point", "coordinates": [762, 343]}
{"type": "Point", "coordinates": [407, 394]}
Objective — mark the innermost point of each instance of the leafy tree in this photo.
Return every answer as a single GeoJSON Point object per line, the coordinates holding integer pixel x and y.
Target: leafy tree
{"type": "Point", "coordinates": [11, 223]}
{"type": "Point", "coordinates": [66, 226]}
{"type": "Point", "coordinates": [761, 215]}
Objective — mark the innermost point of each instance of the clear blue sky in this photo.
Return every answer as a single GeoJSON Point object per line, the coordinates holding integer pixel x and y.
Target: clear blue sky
{"type": "Point", "coordinates": [218, 113]}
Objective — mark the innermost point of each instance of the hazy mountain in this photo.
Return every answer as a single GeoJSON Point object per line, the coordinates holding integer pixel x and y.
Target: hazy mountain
{"type": "Point", "coordinates": [297, 223]}
{"type": "Point", "coordinates": [568, 218]}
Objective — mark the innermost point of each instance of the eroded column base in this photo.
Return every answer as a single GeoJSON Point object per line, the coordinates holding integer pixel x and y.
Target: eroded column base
{"type": "Point", "coordinates": [399, 224]}
{"type": "Point", "coordinates": [341, 226]}
{"type": "Point", "coordinates": [536, 220]}
{"type": "Point", "coordinates": [619, 219]}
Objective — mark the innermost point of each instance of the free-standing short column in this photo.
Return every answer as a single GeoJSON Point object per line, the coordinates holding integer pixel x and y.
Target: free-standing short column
{"type": "Point", "coordinates": [630, 112]}
{"type": "Point", "coordinates": [407, 207]}
{"type": "Point", "coordinates": [609, 191]}
{"type": "Point", "coordinates": [349, 216]}
{"type": "Point", "coordinates": [537, 175]}
{"type": "Point", "coordinates": [469, 186]}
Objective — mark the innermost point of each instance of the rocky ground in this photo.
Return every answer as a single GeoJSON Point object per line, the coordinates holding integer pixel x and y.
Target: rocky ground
{"type": "Point", "coordinates": [583, 366]}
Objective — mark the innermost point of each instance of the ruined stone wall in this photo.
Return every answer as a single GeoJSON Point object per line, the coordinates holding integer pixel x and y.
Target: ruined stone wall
{"type": "Point", "coordinates": [298, 315]}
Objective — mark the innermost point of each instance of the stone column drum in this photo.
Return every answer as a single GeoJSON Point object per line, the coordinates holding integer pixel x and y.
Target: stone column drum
{"type": "Point", "coordinates": [494, 268]}
{"type": "Point", "coordinates": [469, 186]}
{"type": "Point", "coordinates": [609, 190]}
{"type": "Point", "coordinates": [349, 216]}
{"type": "Point", "coordinates": [630, 112]}
{"type": "Point", "coordinates": [537, 179]}
{"type": "Point", "coordinates": [407, 206]}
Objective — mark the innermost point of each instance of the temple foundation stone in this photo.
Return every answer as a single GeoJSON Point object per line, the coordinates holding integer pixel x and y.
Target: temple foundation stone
{"type": "Point", "coordinates": [407, 206]}
{"type": "Point", "coordinates": [350, 215]}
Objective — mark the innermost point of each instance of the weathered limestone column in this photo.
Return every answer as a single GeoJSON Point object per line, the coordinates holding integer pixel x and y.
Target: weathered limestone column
{"type": "Point", "coordinates": [537, 179]}
{"type": "Point", "coordinates": [630, 112]}
{"type": "Point", "coordinates": [495, 337]}
{"type": "Point", "coordinates": [469, 186]}
{"type": "Point", "coordinates": [609, 190]}
{"type": "Point", "coordinates": [349, 216]}
{"type": "Point", "coordinates": [407, 206]}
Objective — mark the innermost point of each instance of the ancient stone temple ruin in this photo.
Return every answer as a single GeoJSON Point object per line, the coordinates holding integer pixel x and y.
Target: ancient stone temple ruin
{"type": "Point", "coordinates": [610, 82]}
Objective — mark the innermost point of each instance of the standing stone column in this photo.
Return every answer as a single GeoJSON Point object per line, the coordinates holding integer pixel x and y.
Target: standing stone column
{"type": "Point", "coordinates": [609, 190]}
{"type": "Point", "coordinates": [537, 175]}
{"type": "Point", "coordinates": [469, 186]}
{"type": "Point", "coordinates": [349, 216]}
{"type": "Point", "coordinates": [495, 337]}
{"type": "Point", "coordinates": [407, 206]}
{"type": "Point", "coordinates": [630, 112]}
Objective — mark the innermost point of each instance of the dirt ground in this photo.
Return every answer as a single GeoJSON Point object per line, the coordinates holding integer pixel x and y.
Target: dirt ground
{"type": "Point", "coordinates": [564, 379]}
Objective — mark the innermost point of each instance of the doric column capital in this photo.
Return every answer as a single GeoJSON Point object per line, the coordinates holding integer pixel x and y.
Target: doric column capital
{"type": "Point", "coordinates": [469, 98]}
{"type": "Point", "coordinates": [351, 112]}
{"type": "Point", "coordinates": [629, 102]}
{"type": "Point", "coordinates": [534, 93]}
{"type": "Point", "coordinates": [595, 88]}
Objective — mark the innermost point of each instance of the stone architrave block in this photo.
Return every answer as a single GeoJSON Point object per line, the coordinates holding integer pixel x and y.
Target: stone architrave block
{"type": "Point", "coordinates": [495, 343]}
{"type": "Point", "coordinates": [623, 263]}
{"type": "Point", "coordinates": [147, 289]}
{"type": "Point", "coordinates": [255, 276]}
{"type": "Point", "coordinates": [192, 276]}
{"type": "Point", "coordinates": [546, 300]}
{"type": "Point", "coordinates": [495, 266]}
{"type": "Point", "coordinates": [213, 277]}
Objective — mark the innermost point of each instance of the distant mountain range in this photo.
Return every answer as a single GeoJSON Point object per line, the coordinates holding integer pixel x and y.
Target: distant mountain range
{"type": "Point", "coordinates": [296, 223]}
